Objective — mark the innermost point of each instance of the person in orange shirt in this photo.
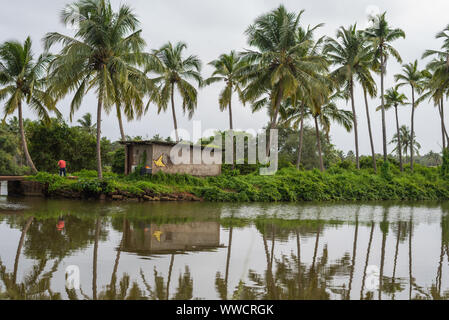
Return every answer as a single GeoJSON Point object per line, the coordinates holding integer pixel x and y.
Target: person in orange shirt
{"type": "Point", "coordinates": [62, 168]}
{"type": "Point", "coordinates": [61, 224]}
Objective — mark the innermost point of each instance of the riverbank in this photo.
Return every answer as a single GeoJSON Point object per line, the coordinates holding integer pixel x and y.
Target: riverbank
{"type": "Point", "coordinates": [288, 185]}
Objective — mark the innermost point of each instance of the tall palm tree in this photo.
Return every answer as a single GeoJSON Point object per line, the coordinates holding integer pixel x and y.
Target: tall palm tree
{"type": "Point", "coordinates": [394, 99]}
{"type": "Point", "coordinates": [100, 53]}
{"type": "Point", "coordinates": [437, 86]}
{"type": "Point", "coordinates": [381, 35]}
{"type": "Point", "coordinates": [406, 141]}
{"type": "Point", "coordinates": [176, 72]}
{"type": "Point", "coordinates": [350, 53]}
{"type": "Point", "coordinates": [228, 68]}
{"type": "Point", "coordinates": [316, 104]}
{"type": "Point", "coordinates": [129, 94]}
{"type": "Point", "coordinates": [21, 81]}
{"type": "Point", "coordinates": [329, 112]}
{"type": "Point", "coordinates": [440, 78]}
{"type": "Point", "coordinates": [363, 75]}
{"type": "Point", "coordinates": [314, 49]}
{"type": "Point", "coordinates": [384, 228]}
{"type": "Point", "coordinates": [86, 123]}
{"type": "Point", "coordinates": [367, 258]}
{"type": "Point", "coordinates": [277, 68]}
{"type": "Point", "coordinates": [415, 79]}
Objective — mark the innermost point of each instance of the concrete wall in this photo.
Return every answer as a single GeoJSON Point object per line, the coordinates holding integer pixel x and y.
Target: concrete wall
{"type": "Point", "coordinates": [201, 170]}
{"type": "Point", "coordinates": [26, 188]}
{"type": "Point", "coordinates": [135, 153]}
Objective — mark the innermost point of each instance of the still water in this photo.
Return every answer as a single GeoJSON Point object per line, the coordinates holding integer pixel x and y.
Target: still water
{"type": "Point", "coordinates": [224, 251]}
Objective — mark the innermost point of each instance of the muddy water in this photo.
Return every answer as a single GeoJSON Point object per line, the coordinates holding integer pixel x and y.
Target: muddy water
{"type": "Point", "coordinates": [223, 251]}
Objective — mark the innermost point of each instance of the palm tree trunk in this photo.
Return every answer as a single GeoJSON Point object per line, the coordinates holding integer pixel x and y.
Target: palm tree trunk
{"type": "Point", "coordinates": [445, 137]}
{"type": "Point", "coordinates": [354, 252]}
{"type": "Point", "coordinates": [444, 126]}
{"type": "Point", "coordinates": [99, 166]}
{"type": "Point", "coordinates": [120, 123]}
{"type": "Point", "coordinates": [399, 139]}
{"type": "Point", "coordinates": [318, 142]}
{"type": "Point", "coordinates": [20, 246]}
{"type": "Point", "coordinates": [228, 260]}
{"type": "Point", "coordinates": [315, 250]}
{"type": "Point", "coordinates": [384, 128]}
{"type": "Point", "coordinates": [24, 142]}
{"type": "Point", "coordinates": [170, 270]}
{"type": "Point", "coordinates": [440, 266]}
{"type": "Point", "coordinates": [356, 134]}
{"type": "Point", "coordinates": [271, 287]}
{"type": "Point", "coordinates": [412, 140]}
{"type": "Point", "coordinates": [117, 258]}
{"type": "Point", "coordinates": [274, 119]}
{"type": "Point", "coordinates": [94, 265]}
{"type": "Point", "coordinates": [298, 247]}
{"type": "Point", "coordinates": [396, 256]}
{"type": "Point", "coordinates": [382, 258]}
{"type": "Point", "coordinates": [173, 111]}
{"type": "Point", "coordinates": [231, 127]}
{"type": "Point", "coordinates": [301, 136]}
{"type": "Point", "coordinates": [367, 259]}
{"type": "Point", "coordinates": [368, 118]}
{"type": "Point", "coordinates": [410, 259]}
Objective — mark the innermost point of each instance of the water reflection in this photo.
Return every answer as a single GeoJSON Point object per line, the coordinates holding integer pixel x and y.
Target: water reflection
{"type": "Point", "coordinates": [211, 251]}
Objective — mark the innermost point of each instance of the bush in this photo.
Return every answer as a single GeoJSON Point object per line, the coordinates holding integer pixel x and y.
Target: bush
{"type": "Point", "coordinates": [288, 184]}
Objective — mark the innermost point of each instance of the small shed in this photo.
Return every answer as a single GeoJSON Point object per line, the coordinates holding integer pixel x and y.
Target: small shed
{"type": "Point", "coordinates": [155, 157]}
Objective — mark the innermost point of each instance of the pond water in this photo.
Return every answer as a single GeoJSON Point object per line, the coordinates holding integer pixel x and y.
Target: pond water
{"type": "Point", "coordinates": [223, 251]}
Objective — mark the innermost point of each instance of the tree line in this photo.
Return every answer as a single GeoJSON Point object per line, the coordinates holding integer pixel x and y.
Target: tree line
{"type": "Point", "coordinates": [287, 71]}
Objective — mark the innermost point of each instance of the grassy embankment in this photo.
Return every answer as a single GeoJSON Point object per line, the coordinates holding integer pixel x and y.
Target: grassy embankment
{"type": "Point", "coordinates": [288, 184]}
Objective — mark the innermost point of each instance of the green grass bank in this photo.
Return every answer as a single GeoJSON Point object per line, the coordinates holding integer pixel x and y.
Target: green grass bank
{"type": "Point", "coordinates": [288, 185]}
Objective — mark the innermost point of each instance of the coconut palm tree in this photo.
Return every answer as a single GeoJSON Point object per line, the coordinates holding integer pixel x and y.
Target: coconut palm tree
{"type": "Point", "coordinates": [351, 54]}
{"type": "Point", "coordinates": [21, 81]}
{"type": "Point", "coordinates": [175, 72]}
{"type": "Point", "coordinates": [129, 94]}
{"type": "Point", "coordinates": [406, 141]}
{"type": "Point", "coordinates": [394, 99]}
{"type": "Point", "coordinates": [331, 113]}
{"type": "Point", "coordinates": [227, 68]}
{"type": "Point", "coordinates": [86, 123]}
{"type": "Point", "coordinates": [368, 251]}
{"type": "Point", "coordinates": [436, 85]}
{"type": "Point", "coordinates": [316, 106]}
{"type": "Point", "coordinates": [313, 50]}
{"type": "Point", "coordinates": [364, 77]}
{"type": "Point", "coordinates": [381, 36]}
{"type": "Point", "coordinates": [415, 79]}
{"type": "Point", "coordinates": [291, 115]}
{"type": "Point", "coordinates": [100, 53]}
{"type": "Point", "coordinates": [439, 82]}
{"type": "Point", "coordinates": [277, 68]}
{"type": "Point", "coordinates": [444, 52]}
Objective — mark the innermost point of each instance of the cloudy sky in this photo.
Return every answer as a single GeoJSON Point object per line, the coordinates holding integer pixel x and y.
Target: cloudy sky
{"type": "Point", "coordinates": [212, 27]}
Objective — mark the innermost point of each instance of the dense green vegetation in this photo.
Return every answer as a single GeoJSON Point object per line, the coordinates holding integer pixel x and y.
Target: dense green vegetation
{"type": "Point", "coordinates": [52, 141]}
{"type": "Point", "coordinates": [289, 184]}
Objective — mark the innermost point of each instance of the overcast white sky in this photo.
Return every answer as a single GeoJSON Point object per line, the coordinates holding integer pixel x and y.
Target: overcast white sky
{"type": "Point", "coordinates": [212, 27]}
